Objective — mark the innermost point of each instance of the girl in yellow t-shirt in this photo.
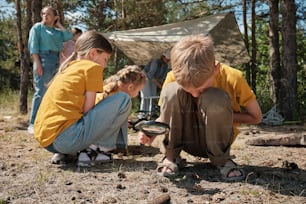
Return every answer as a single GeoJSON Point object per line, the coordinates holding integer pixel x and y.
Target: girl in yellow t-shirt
{"type": "Point", "coordinates": [130, 80]}
{"type": "Point", "coordinates": [68, 120]}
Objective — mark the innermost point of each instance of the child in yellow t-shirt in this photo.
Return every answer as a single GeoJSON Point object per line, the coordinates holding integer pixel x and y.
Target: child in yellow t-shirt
{"type": "Point", "coordinates": [201, 101]}
{"type": "Point", "coordinates": [68, 120]}
{"type": "Point", "coordinates": [130, 80]}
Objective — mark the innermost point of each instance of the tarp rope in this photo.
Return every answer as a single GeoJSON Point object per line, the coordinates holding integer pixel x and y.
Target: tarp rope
{"type": "Point", "coordinates": [272, 117]}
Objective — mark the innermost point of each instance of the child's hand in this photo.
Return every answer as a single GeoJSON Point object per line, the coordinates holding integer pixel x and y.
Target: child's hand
{"type": "Point", "coordinates": [144, 139]}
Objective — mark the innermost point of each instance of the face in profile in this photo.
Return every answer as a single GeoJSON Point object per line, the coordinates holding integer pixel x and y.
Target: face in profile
{"type": "Point", "coordinates": [131, 89]}
{"type": "Point", "coordinates": [101, 57]}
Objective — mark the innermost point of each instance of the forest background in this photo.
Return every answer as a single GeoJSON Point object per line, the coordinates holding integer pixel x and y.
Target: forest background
{"type": "Point", "coordinates": [273, 30]}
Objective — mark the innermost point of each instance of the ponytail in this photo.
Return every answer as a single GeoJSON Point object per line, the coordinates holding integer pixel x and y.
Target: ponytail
{"type": "Point", "coordinates": [110, 85]}
{"type": "Point", "coordinates": [65, 64]}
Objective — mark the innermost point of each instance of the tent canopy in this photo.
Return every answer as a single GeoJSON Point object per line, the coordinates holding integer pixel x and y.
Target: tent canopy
{"type": "Point", "coordinates": [141, 45]}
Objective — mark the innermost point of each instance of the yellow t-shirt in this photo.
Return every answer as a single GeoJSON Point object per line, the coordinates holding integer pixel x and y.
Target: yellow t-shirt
{"type": "Point", "coordinates": [231, 81]}
{"type": "Point", "coordinates": [62, 104]}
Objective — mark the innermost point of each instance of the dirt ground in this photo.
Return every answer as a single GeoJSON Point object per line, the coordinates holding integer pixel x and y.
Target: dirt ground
{"type": "Point", "coordinates": [275, 174]}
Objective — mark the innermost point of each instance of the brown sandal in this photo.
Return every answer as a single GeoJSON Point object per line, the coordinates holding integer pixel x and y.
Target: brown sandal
{"type": "Point", "coordinates": [226, 170]}
{"type": "Point", "coordinates": [165, 165]}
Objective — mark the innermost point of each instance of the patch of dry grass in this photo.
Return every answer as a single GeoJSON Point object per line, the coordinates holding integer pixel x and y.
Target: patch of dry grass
{"type": "Point", "coordinates": [27, 176]}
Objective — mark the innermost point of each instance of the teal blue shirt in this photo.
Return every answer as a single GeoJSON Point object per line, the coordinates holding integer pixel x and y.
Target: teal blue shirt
{"type": "Point", "coordinates": [44, 38]}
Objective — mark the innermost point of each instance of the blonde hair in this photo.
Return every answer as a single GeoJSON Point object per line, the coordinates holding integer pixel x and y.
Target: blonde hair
{"type": "Point", "coordinates": [193, 60]}
{"type": "Point", "coordinates": [87, 41]}
{"type": "Point", "coordinates": [49, 8]}
{"type": "Point", "coordinates": [129, 74]}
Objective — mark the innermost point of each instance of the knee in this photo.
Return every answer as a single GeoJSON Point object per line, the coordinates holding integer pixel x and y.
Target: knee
{"type": "Point", "coordinates": [215, 99]}
{"type": "Point", "coordinates": [175, 94]}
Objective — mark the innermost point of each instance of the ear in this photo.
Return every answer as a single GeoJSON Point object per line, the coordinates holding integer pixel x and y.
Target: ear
{"type": "Point", "coordinates": [92, 53]}
{"type": "Point", "coordinates": [120, 84]}
{"type": "Point", "coordinates": [217, 68]}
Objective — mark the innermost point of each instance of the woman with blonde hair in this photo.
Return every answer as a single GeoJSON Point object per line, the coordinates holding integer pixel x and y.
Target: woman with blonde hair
{"type": "Point", "coordinates": [45, 43]}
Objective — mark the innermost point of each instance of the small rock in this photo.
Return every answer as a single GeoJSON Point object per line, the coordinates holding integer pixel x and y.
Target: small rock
{"type": "Point", "coordinates": [163, 199]}
{"type": "Point", "coordinates": [121, 175]}
{"type": "Point", "coordinates": [110, 200]}
{"type": "Point", "coordinates": [68, 183]}
{"type": "Point", "coordinates": [163, 189]}
{"type": "Point", "coordinates": [119, 186]}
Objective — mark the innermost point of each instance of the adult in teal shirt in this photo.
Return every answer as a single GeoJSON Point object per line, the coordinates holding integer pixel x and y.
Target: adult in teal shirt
{"type": "Point", "coordinates": [45, 43]}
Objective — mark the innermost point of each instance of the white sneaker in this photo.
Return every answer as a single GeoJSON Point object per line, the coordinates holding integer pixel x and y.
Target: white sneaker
{"type": "Point", "coordinates": [31, 129]}
{"type": "Point", "coordinates": [90, 157]}
{"type": "Point", "coordinates": [58, 158]}
{"type": "Point", "coordinates": [103, 157]}
{"type": "Point", "coordinates": [84, 159]}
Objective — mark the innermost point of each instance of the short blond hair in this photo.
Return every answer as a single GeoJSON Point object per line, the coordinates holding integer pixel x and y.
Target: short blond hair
{"type": "Point", "coordinates": [193, 60]}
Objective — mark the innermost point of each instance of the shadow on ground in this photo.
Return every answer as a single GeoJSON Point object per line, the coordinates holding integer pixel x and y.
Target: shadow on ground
{"type": "Point", "coordinates": [289, 180]}
{"type": "Point", "coordinates": [286, 181]}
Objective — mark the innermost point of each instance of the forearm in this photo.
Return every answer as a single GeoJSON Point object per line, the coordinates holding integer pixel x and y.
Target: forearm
{"type": "Point", "coordinates": [245, 118]}
{"type": "Point", "coordinates": [36, 58]}
{"type": "Point", "coordinates": [251, 115]}
{"type": "Point", "coordinates": [157, 83]}
{"type": "Point", "coordinates": [59, 25]}
{"type": "Point", "coordinates": [90, 98]}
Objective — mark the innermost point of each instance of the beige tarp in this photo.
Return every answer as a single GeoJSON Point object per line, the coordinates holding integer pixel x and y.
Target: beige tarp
{"type": "Point", "coordinates": [140, 45]}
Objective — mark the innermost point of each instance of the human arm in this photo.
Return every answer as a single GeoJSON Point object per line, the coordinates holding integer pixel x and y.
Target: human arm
{"type": "Point", "coordinates": [245, 105]}
{"type": "Point", "coordinates": [34, 45]}
{"type": "Point", "coordinates": [93, 83]}
{"type": "Point", "coordinates": [90, 98]}
{"type": "Point", "coordinates": [59, 25]}
{"type": "Point", "coordinates": [151, 68]}
{"type": "Point", "coordinates": [144, 139]}
{"type": "Point", "coordinates": [157, 83]}
{"type": "Point", "coordinates": [251, 115]}
{"type": "Point", "coordinates": [67, 35]}
{"type": "Point", "coordinates": [39, 69]}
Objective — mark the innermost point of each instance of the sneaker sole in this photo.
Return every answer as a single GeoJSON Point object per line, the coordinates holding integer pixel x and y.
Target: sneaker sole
{"type": "Point", "coordinates": [85, 164]}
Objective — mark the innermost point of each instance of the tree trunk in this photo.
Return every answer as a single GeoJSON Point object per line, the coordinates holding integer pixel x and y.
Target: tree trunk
{"type": "Point", "coordinates": [254, 47]}
{"type": "Point", "coordinates": [246, 41]}
{"type": "Point", "coordinates": [289, 75]}
{"type": "Point", "coordinates": [59, 8]}
{"type": "Point", "coordinates": [275, 61]}
{"type": "Point", "coordinates": [24, 78]}
{"type": "Point", "coordinates": [36, 8]}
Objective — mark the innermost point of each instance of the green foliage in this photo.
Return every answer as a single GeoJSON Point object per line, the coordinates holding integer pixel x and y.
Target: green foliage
{"type": "Point", "coordinates": [301, 71]}
{"type": "Point", "coordinates": [8, 45]}
{"type": "Point", "coordinates": [141, 14]}
{"type": "Point", "coordinates": [263, 74]}
{"type": "Point", "coordinates": [9, 73]}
